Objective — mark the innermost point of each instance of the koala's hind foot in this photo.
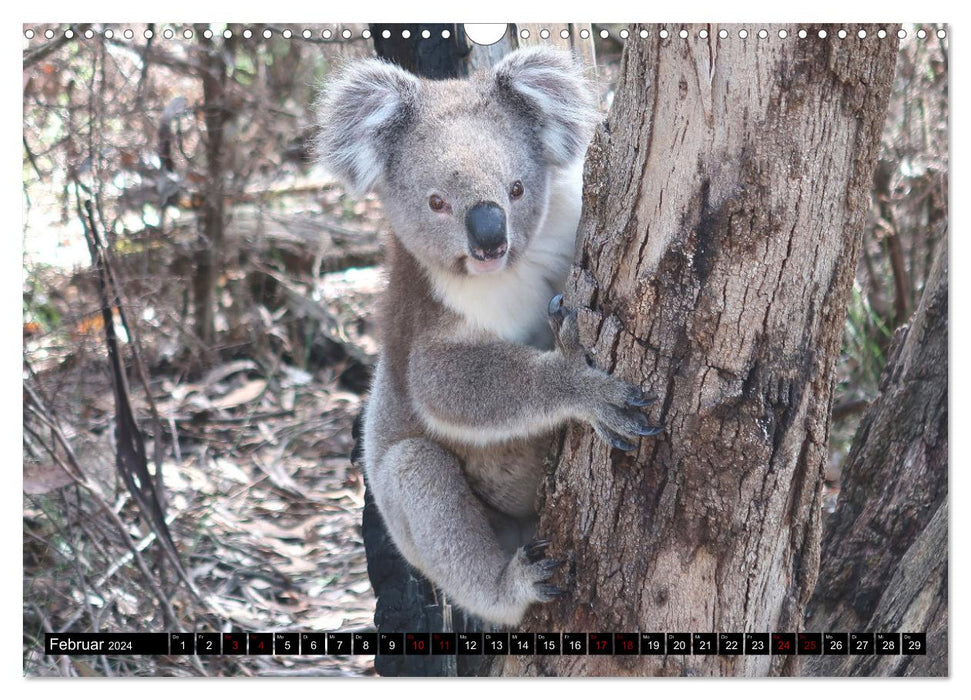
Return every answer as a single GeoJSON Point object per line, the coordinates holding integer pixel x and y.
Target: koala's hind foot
{"type": "Point", "coordinates": [615, 406]}
{"type": "Point", "coordinates": [536, 568]}
{"type": "Point", "coordinates": [443, 529]}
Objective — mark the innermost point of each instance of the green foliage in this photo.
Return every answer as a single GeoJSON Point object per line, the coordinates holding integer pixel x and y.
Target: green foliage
{"type": "Point", "coordinates": [866, 338]}
{"type": "Point", "coordinates": [38, 308]}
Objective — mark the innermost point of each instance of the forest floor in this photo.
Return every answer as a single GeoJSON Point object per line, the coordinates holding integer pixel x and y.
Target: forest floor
{"type": "Point", "coordinates": [261, 499]}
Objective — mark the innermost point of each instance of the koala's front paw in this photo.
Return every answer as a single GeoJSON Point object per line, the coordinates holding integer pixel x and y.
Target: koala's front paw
{"type": "Point", "coordinates": [529, 572]}
{"type": "Point", "coordinates": [618, 420]}
{"type": "Point", "coordinates": [614, 404]}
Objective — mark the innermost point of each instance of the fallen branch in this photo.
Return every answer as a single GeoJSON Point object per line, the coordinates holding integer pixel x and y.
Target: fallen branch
{"type": "Point", "coordinates": [130, 458]}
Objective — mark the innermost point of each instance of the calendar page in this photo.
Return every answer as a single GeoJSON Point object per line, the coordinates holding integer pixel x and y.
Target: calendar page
{"type": "Point", "coordinates": [614, 350]}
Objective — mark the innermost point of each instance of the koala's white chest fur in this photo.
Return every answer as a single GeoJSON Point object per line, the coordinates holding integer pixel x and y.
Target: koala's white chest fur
{"type": "Point", "coordinates": [512, 303]}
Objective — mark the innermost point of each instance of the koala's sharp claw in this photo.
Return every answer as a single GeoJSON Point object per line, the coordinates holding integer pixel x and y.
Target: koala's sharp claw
{"type": "Point", "coordinates": [648, 430]}
{"type": "Point", "coordinates": [640, 398]}
{"type": "Point", "coordinates": [620, 443]}
{"type": "Point", "coordinates": [548, 567]}
{"type": "Point", "coordinates": [645, 428]}
{"type": "Point", "coordinates": [534, 550]}
{"type": "Point", "coordinates": [605, 433]}
{"type": "Point", "coordinates": [556, 305]}
{"type": "Point", "coordinates": [548, 591]}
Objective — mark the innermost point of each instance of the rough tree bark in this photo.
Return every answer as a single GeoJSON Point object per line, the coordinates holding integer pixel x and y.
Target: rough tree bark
{"type": "Point", "coordinates": [723, 211]}
{"type": "Point", "coordinates": [884, 558]}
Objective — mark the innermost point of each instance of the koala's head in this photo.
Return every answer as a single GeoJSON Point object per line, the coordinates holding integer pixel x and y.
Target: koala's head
{"type": "Point", "coordinates": [462, 168]}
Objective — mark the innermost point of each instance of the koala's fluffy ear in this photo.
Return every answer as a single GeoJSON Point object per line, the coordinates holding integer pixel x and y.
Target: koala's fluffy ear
{"type": "Point", "coordinates": [358, 114]}
{"type": "Point", "coordinates": [547, 85]}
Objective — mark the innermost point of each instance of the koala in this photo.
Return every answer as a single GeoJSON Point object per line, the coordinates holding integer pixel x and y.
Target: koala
{"type": "Point", "coordinates": [481, 362]}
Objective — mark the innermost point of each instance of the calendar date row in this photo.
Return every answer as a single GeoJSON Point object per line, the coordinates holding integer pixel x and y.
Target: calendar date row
{"type": "Point", "coordinates": [489, 643]}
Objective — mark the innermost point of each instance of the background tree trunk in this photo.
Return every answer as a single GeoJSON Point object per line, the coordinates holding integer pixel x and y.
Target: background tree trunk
{"type": "Point", "coordinates": [724, 206]}
{"type": "Point", "coordinates": [884, 559]}
{"type": "Point", "coordinates": [215, 110]}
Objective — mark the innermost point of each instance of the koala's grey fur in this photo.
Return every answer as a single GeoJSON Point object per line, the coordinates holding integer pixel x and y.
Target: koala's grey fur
{"type": "Point", "coordinates": [473, 377]}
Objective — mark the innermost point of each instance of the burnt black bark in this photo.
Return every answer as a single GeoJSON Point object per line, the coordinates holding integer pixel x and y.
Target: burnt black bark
{"type": "Point", "coordinates": [405, 600]}
{"type": "Point", "coordinates": [436, 57]}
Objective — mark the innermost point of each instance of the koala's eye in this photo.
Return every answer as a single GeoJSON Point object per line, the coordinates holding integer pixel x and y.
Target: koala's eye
{"type": "Point", "coordinates": [436, 203]}
{"type": "Point", "coordinates": [516, 190]}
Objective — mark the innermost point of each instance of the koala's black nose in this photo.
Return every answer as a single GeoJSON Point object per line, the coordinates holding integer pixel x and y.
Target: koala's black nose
{"type": "Point", "coordinates": [486, 225]}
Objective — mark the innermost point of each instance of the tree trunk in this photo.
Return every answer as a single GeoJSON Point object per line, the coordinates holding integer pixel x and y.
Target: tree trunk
{"type": "Point", "coordinates": [436, 57]}
{"type": "Point", "coordinates": [211, 230]}
{"type": "Point", "coordinates": [723, 211]}
{"type": "Point", "coordinates": [884, 559]}
{"type": "Point", "coordinates": [519, 35]}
